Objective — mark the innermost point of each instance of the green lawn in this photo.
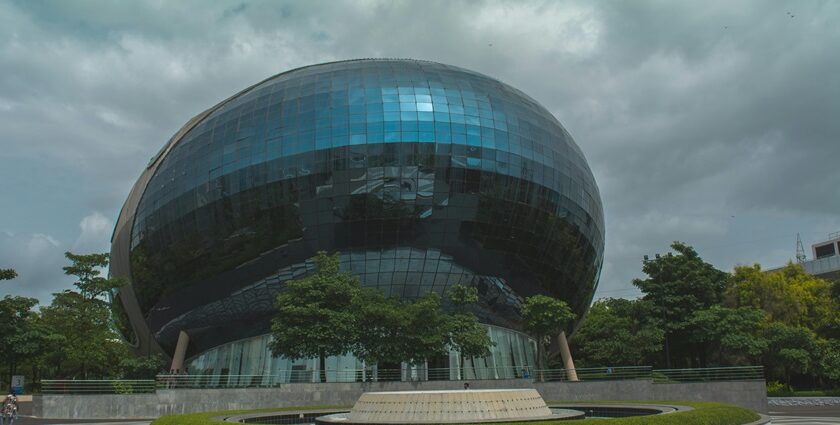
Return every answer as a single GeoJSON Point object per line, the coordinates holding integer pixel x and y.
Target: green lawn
{"type": "Point", "coordinates": [703, 414]}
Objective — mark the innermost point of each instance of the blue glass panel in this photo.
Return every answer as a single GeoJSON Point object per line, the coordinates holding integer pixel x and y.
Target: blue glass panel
{"type": "Point", "coordinates": [286, 149]}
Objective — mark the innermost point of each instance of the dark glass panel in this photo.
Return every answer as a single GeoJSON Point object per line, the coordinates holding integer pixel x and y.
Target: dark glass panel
{"type": "Point", "coordinates": [386, 158]}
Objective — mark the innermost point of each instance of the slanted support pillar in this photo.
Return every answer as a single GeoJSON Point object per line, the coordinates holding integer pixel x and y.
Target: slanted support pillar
{"type": "Point", "coordinates": [566, 356]}
{"type": "Point", "coordinates": [180, 352]}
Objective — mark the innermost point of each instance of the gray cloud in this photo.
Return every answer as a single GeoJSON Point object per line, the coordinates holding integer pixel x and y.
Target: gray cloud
{"type": "Point", "coordinates": [38, 259]}
{"type": "Point", "coordinates": [714, 124]}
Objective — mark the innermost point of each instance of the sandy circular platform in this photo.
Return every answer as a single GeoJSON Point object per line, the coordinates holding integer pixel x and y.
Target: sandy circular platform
{"type": "Point", "coordinates": [449, 406]}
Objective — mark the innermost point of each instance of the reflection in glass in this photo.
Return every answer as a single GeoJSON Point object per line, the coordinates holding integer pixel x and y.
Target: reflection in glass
{"type": "Point", "coordinates": [421, 175]}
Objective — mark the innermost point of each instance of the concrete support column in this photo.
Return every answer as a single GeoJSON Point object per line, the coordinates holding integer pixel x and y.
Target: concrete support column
{"type": "Point", "coordinates": [566, 355]}
{"type": "Point", "coordinates": [180, 352]}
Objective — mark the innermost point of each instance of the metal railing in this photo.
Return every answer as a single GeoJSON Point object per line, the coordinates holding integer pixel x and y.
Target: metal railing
{"type": "Point", "coordinates": [596, 373]}
{"type": "Point", "coordinates": [291, 377]}
{"type": "Point", "coordinates": [341, 375]}
{"type": "Point", "coordinates": [98, 386]}
{"type": "Point", "coordinates": [736, 373]}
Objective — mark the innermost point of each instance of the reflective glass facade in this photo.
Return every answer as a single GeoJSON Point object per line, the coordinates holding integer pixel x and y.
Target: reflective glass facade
{"type": "Point", "coordinates": [421, 175]}
{"type": "Point", "coordinates": [513, 353]}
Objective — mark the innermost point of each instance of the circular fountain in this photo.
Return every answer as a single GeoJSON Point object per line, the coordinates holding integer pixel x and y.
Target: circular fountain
{"type": "Point", "coordinates": [449, 407]}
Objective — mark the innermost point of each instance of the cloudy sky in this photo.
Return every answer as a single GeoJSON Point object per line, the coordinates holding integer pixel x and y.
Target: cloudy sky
{"type": "Point", "coordinates": [716, 123]}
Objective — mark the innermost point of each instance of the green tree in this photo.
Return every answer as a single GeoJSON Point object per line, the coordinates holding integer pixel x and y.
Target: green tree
{"type": "Point", "coordinates": [544, 317]}
{"type": "Point", "coordinates": [7, 274]}
{"type": "Point", "coordinates": [733, 334]}
{"type": "Point", "coordinates": [467, 335]}
{"type": "Point", "coordinates": [315, 316]}
{"type": "Point", "coordinates": [790, 296]}
{"type": "Point", "coordinates": [382, 322]}
{"type": "Point", "coordinates": [85, 343]}
{"type": "Point", "coordinates": [390, 330]}
{"type": "Point", "coordinates": [461, 296]}
{"type": "Point", "coordinates": [678, 285]}
{"type": "Point", "coordinates": [828, 366]}
{"type": "Point", "coordinates": [618, 332]}
{"type": "Point", "coordinates": [77, 336]}
{"type": "Point", "coordinates": [141, 367]}
{"type": "Point", "coordinates": [87, 269]}
{"type": "Point", "coordinates": [790, 350]}
{"type": "Point", "coordinates": [16, 330]}
{"type": "Point", "coordinates": [428, 331]}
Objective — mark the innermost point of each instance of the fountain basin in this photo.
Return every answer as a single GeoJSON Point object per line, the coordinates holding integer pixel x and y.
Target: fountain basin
{"type": "Point", "coordinates": [449, 407]}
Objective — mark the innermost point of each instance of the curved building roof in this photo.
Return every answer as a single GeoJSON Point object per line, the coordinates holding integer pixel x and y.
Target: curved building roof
{"type": "Point", "coordinates": [421, 175]}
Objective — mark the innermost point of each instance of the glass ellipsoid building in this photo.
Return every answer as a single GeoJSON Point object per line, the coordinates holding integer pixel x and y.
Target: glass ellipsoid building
{"type": "Point", "coordinates": [421, 175]}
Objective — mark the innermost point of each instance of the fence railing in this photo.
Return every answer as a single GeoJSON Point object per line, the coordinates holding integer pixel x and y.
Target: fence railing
{"type": "Point", "coordinates": [341, 375]}
{"type": "Point", "coordinates": [738, 373]}
{"type": "Point", "coordinates": [596, 373]}
{"type": "Point", "coordinates": [98, 386]}
{"type": "Point", "coordinates": [291, 377]}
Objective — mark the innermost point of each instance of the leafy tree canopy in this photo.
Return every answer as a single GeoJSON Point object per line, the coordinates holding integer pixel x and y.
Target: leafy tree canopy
{"type": "Point", "coordinates": [142, 367]}
{"type": "Point", "coordinates": [461, 296]}
{"type": "Point", "coordinates": [85, 342]}
{"type": "Point", "coordinates": [791, 349]}
{"type": "Point", "coordinates": [7, 274]}
{"type": "Point", "coordinates": [314, 315]}
{"type": "Point", "coordinates": [680, 283]}
{"type": "Point", "coordinates": [428, 329]}
{"type": "Point", "coordinates": [734, 334]}
{"type": "Point", "coordinates": [87, 269]}
{"type": "Point", "coordinates": [790, 296]}
{"type": "Point", "coordinates": [15, 315]}
{"type": "Point", "coordinates": [467, 335]}
{"type": "Point", "coordinates": [828, 365]}
{"type": "Point", "coordinates": [544, 316]}
{"type": "Point", "coordinates": [618, 332]}
{"type": "Point", "coordinates": [382, 321]}
{"type": "Point", "coordinates": [18, 337]}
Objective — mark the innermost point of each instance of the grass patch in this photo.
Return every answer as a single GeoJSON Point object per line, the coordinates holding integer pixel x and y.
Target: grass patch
{"type": "Point", "coordinates": [204, 418]}
{"type": "Point", "coordinates": [788, 392]}
{"type": "Point", "coordinates": [704, 413]}
{"type": "Point", "coordinates": [816, 393]}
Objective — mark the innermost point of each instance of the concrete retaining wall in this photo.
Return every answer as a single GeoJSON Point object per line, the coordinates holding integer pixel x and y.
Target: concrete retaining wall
{"type": "Point", "coordinates": [751, 395]}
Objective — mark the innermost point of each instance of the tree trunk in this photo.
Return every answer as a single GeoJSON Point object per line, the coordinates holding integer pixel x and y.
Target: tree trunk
{"type": "Point", "coordinates": [322, 360]}
{"type": "Point", "coordinates": [541, 357]}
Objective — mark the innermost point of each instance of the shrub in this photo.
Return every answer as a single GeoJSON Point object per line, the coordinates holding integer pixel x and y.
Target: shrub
{"type": "Point", "coordinates": [778, 389]}
{"type": "Point", "coordinates": [121, 387]}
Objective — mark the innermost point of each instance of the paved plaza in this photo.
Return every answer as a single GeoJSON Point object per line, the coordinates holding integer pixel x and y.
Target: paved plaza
{"type": "Point", "coordinates": [812, 415]}
{"type": "Point", "coordinates": [42, 421]}
{"type": "Point", "coordinates": [788, 415]}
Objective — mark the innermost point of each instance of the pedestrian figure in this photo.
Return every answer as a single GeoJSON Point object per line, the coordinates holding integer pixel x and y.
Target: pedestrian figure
{"type": "Point", "coordinates": [9, 410]}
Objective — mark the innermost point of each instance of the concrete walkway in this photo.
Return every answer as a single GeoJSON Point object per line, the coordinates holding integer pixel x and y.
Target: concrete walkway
{"type": "Point", "coordinates": [42, 421]}
{"type": "Point", "coordinates": [802, 415]}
